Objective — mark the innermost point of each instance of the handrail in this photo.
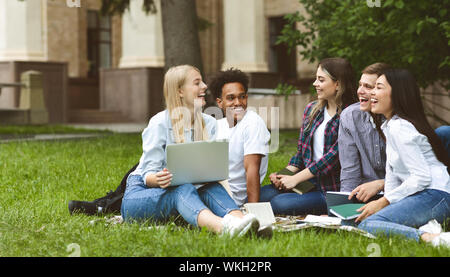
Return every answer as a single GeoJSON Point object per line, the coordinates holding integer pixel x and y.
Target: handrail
{"type": "Point", "coordinates": [11, 85]}
{"type": "Point", "coordinates": [267, 91]}
{"type": "Point", "coordinates": [15, 85]}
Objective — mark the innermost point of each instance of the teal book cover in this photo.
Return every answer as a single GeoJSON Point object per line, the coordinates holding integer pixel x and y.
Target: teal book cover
{"type": "Point", "coordinates": [346, 211]}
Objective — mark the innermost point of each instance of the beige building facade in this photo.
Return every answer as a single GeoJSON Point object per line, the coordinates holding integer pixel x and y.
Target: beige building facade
{"type": "Point", "coordinates": [90, 48]}
{"type": "Point", "coordinates": [52, 30]}
{"type": "Point", "coordinates": [110, 68]}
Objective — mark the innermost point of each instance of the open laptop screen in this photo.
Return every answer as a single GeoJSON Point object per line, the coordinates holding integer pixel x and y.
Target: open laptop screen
{"type": "Point", "coordinates": [197, 162]}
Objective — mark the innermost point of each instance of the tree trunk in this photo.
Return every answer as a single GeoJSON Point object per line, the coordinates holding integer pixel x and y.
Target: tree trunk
{"type": "Point", "coordinates": [181, 41]}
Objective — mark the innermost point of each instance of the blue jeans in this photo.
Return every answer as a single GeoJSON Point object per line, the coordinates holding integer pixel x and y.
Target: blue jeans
{"type": "Point", "coordinates": [141, 202]}
{"type": "Point", "coordinates": [292, 203]}
{"type": "Point", "coordinates": [443, 133]}
{"type": "Point", "coordinates": [403, 217]}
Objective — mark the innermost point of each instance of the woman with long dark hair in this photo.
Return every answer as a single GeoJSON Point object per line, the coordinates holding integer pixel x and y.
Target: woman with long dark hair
{"type": "Point", "coordinates": [317, 157]}
{"type": "Point", "coordinates": [417, 184]}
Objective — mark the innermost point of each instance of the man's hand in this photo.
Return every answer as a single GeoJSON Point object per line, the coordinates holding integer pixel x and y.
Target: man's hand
{"type": "Point", "coordinates": [367, 190]}
{"type": "Point", "coordinates": [275, 180]}
{"type": "Point", "coordinates": [371, 208]}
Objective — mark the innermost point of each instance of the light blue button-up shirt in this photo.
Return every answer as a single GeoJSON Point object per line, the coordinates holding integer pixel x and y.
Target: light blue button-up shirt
{"type": "Point", "coordinates": [155, 138]}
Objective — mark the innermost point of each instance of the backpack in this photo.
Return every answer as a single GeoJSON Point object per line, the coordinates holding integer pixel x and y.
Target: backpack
{"type": "Point", "coordinates": [110, 203]}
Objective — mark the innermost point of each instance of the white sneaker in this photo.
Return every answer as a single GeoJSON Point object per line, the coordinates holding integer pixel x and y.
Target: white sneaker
{"type": "Point", "coordinates": [442, 240]}
{"type": "Point", "coordinates": [235, 226]}
{"type": "Point", "coordinates": [432, 227]}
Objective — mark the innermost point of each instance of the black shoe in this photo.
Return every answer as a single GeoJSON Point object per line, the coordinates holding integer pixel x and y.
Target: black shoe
{"type": "Point", "coordinates": [86, 207]}
{"type": "Point", "coordinates": [265, 232]}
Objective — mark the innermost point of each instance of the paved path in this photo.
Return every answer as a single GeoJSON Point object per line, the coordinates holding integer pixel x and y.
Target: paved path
{"type": "Point", "coordinates": [43, 137]}
{"type": "Point", "coordinates": [114, 127]}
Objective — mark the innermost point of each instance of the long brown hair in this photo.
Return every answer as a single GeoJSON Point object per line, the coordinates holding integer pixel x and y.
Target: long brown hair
{"type": "Point", "coordinates": [407, 104]}
{"type": "Point", "coordinates": [339, 70]}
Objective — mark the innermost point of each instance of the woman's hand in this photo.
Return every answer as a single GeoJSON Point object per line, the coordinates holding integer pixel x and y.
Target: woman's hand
{"type": "Point", "coordinates": [162, 178]}
{"type": "Point", "coordinates": [365, 191]}
{"type": "Point", "coordinates": [287, 182]}
{"type": "Point", "coordinates": [371, 208]}
{"type": "Point", "coordinates": [282, 182]}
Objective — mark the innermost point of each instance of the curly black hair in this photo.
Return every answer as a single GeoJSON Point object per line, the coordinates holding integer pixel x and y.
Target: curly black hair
{"type": "Point", "coordinates": [224, 77]}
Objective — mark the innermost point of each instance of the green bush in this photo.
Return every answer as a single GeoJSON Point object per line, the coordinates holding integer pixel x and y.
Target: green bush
{"type": "Point", "coordinates": [412, 34]}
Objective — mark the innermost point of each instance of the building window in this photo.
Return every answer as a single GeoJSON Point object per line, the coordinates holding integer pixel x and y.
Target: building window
{"type": "Point", "coordinates": [99, 42]}
{"type": "Point", "coordinates": [280, 60]}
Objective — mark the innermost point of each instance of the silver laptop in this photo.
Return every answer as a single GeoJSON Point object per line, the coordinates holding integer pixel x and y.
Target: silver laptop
{"type": "Point", "coordinates": [197, 162]}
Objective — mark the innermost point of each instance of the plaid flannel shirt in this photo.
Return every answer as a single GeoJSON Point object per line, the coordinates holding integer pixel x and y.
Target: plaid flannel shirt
{"type": "Point", "coordinates": [327, 169]}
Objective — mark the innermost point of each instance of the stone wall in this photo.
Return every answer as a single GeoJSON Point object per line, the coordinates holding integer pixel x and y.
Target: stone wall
{"type": "Point", "coordinates": [289, 111]}
{"type": "Point", "coordinates": [8, 96]}
{"type": "Point", "coordinates": [135, 92]}
{"type": "Point", "coordinates": [436, 100]}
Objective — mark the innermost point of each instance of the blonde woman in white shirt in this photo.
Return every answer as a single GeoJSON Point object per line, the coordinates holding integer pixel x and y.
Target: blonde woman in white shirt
{"type": "Point", "coordinates": [417, 184]}
{"type": "Point", "coordinates": [149, 196]}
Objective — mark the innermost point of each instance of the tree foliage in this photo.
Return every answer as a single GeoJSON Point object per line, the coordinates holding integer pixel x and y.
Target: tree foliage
{"type": "Point", "coordinates": [120, 6]}
{"type": "Point", "coordinates": [413, 34]}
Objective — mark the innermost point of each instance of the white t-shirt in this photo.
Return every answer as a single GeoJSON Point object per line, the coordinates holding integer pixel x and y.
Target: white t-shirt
{"type": "Point", "coordinates": [319, 137]}
{"type": "Point", "coordinates": [249, 136]}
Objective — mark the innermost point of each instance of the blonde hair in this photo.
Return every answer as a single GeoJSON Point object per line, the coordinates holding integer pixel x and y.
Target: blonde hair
{"type": "Point", "coordinates": [179, 114]}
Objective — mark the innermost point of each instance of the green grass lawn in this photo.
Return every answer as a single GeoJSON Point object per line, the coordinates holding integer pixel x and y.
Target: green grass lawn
{"type": "Point", "coordinates": [37, 179]}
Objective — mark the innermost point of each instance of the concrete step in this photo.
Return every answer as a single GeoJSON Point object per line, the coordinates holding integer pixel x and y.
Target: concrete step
{"type": "Point", "coordinates": [96, 116]}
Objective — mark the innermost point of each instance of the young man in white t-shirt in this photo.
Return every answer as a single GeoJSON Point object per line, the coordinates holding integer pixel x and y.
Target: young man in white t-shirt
{"type": "Point", "coordinates": [246, 132]}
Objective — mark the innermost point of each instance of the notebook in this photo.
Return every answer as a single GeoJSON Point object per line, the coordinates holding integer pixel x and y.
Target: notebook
{"type": "Point", "coordinates": [263, 212]}
{"type": "Point", "coordinates": [334, 198]}
{"type": "Point", "coordinates": [300, 188]}
{"type": "Point", "coordinates": [197, 162]}
{"type": "Point", "coordinates": [346, 211]}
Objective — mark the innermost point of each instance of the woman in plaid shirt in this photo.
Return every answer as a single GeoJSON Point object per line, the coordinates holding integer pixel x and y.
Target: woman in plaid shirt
{"type": "Point", "coordinates": [317, 157]}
